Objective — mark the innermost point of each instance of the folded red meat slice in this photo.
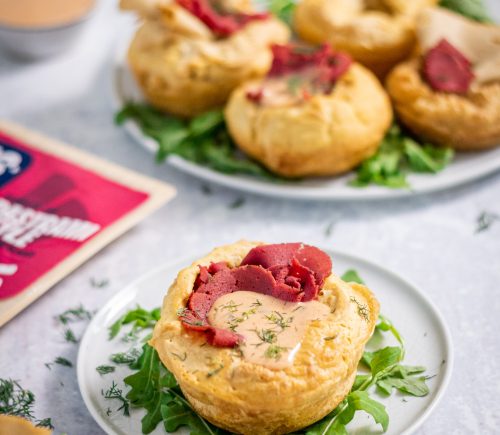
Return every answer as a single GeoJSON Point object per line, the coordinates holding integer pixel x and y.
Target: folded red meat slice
{"type": "Point", "coordinates": [446, 69]}
{"type": "Point", "coordinates": [292, 272]}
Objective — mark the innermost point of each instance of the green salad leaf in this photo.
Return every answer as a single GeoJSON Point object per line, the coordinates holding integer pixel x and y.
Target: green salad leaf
{"type": "Point", "coordinates": [204, 139]}
{"type": "Point", "coordinates": [283, 9]}
{"type": "Point", "coordinates": [139, 318]}
{"type": "Point", "coordinates": [398, 155]}
{"type": "Point", "coordinates": [473, 9]}
{"type": "Point", "coordinates": [352, 275]}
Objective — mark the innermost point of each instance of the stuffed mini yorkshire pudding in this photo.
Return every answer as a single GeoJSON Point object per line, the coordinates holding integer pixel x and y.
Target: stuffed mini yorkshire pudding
{"type": "Point", "coordinates": [377, 33]}
{"type": "Point", "coordinates": [316, 113]}
{"type": "Point", "coordinates": [188, 56]}
{"type": "Point", "coordinates": [264, 339]}
{"type": "Point", "coordinates": [450, 95]}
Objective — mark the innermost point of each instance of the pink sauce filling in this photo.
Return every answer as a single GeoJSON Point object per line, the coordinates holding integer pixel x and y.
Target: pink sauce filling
{"type": "Point", "coordinates": [320, 68]}
{"type": "Point", "coordinates": [446, 69]}
{"type": "Point", "coordinates": [292, 272]}
{"type": "Point", "coordinates": [222, 25]}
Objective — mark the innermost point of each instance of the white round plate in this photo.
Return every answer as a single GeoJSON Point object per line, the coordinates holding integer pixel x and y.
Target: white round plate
{"type": "Point", "coordinates": [427, 340]}
{"type": "Point", "coordinates": [464, 168]}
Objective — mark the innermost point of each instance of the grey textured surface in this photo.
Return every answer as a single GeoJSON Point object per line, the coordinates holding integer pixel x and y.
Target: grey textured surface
{"type": "Point", "coordinates": [430, 240]}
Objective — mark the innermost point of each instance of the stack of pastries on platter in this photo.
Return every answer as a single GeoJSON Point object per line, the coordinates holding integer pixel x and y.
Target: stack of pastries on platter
{"type": "Point", "coordinates": [321, 109]}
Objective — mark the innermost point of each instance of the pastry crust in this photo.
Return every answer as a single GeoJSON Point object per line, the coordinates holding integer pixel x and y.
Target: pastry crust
{"type": "Point", "coordinates": [183, 69]}
{"type": "Point", "coordinates": [464, 122]}
{"type": "Point", "coordinates": [326, 135]}
{"type": "Point", "coordinates": [14, 425]}
{"type": "Point", "coordinates": [377, 33]}
{"type": "Point", "coordinates": [248, 398]}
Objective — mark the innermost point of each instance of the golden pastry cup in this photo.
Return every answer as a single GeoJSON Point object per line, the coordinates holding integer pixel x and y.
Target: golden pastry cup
{"type": "Point", "coordinates": [468, 122]}
{"type": "Point", "coordinates": [326, 135]}
{"type": "Point", "coordinates": [184, 70]}
{"type": "Point", "coordinates": [248, 398]}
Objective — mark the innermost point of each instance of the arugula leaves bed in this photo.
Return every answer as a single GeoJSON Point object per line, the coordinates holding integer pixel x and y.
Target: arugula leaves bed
{"type": "Point", "coordinates": [152, 388]}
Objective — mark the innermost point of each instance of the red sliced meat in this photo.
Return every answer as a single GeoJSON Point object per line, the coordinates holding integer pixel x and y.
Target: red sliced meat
{"type": "Point", "coordinates": [446, 69]}
{"type": "Point", "coordinates": [327, 66]}
{"type": "Point", "coordinates": [272, 255]}
{"type": "Point", "coordinates": [317, 261]}
{"type": "Point", "coordinates": [222, 337]}
{"type": "Point", "coordinates": [292, 272]}
{"type": "Point", "coordinates": [222, 25]}
{"type": "Point", "coordinates": [254, 279]}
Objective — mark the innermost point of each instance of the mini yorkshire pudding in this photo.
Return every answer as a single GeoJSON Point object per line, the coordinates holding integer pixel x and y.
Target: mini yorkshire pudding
{"type": "Point", "coordinates": [188, 56]}
{"type": "Point", "coordinates": [376, 33]}
{"type": "Point", "coordinates": [315, 114]}
{"type": "Point", "coordinates": [264, 339]}
{"type": "Point", "coordinates": [450, 95]}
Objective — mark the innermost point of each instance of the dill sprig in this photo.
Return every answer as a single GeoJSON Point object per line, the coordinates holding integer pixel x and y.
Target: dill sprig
{"type": "Point", "coordinates": [274, 351]}
{"type": "Point", "coordinates": [114, 392]}
{"type": "Point", "coordinates": [485, 220]}
{"type": "Point", "coordinates": [215, 371]}
{"type": "Point", "coordinates": [104, 369]}
{"type": "Point", "coordinates": [69, 336]}
{"type": "Point", "coordinates": [363, 310]}
{"type": "Point", "coordinates": [129, 357]}
{"type": "Point", "coordinates": [277, 318]}
{"type": "Point", "coordinates": [266, 336]}
{"type": "Point", "coordinates": [96, 283]}
{"type": "Point", "coordinates": [74, 315]}
{"type": "Point", "coordinates": [15, 400]}
{"type": "Point", "coordinates": [63, 361]}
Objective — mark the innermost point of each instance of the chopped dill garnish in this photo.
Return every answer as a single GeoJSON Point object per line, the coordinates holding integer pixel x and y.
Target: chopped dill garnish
{"type": "Point", "coordinates": [99, 283]}
{"type": "Point", "coordinates": [485, 220]}
{"type": "Point", "coordinates": [63, 361]}
{"type": "Point", "coordinates": [237, 203]}
{"type": "Point", "coordinates": [104, 370]}
{"type": "Point", "coordinates": [182, 357]}
{"type": "Point", "coordinates": [278, 319]}
{"type": "Point", "coordinates": [69, 336]}
{"type": "Point", "coordinates": [15, 400]}
{"type": "Point", "coordinates": [266, 336]}
{"type": "Point", "coordinates": [300, 307]}
{"type": "Point", "coordinates": [363, 310]}
{"type": "Point", "coordinates": [181, 311]}
{"type": "Point", "coordinates": [215, 371]}
{"type": "Point", "coordinates": [129, 357]}
{"type": "Point", "coordinates": [257, 303]}
{"type": "Point", "coordinates": [108, 411]}
{"type": "Point", "coordinates": [274, 351]}
{"type": "Point", "coordinates": [46, 422]}
{"type": "Point", "coordinates": [114, 392]}
{"type": "Point", "coordinates": [231, 306]}
{"type": "Point", "coordinates": [329, 229]}
{"type": "Point", "coordinates": [74, 315]}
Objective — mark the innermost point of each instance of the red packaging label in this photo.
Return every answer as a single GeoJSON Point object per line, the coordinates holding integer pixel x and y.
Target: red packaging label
{"type": "Point", "coordinates": [49, 208]}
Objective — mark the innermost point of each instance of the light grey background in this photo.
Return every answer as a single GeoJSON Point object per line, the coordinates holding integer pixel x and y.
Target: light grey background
{"type": "Point", "coordinates": [430, 240]}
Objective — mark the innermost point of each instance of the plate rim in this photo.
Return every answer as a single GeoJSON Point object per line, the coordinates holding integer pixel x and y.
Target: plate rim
{"type": "Point", "coordinates": [417, 423]}
{"type": "Point", "coordinates": [268, 189]}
